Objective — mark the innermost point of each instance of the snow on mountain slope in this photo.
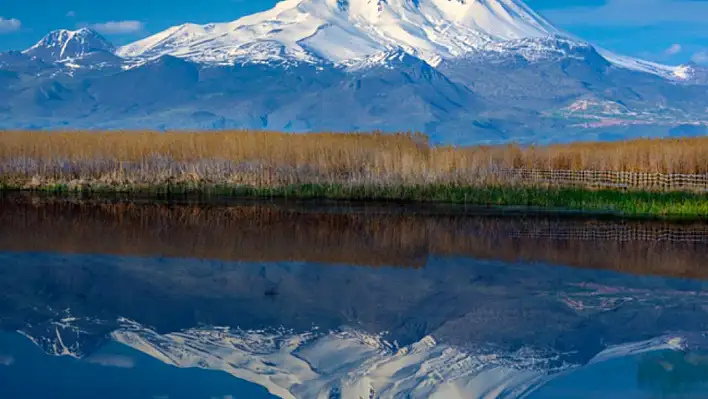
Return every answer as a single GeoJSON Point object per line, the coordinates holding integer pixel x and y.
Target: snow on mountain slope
{"type": "Point", "coordinates": [346, 364]}
{"type": "Point", "coordinates": [351, 364]}
{"type": "Point", "coordinates": [340, 30]}
{"type": "Point", "coordinates": [680, 72]}
{"type": "Point", "coordinates": [64, 44]}
{"type": "Point", "coordinates": [64, 337]}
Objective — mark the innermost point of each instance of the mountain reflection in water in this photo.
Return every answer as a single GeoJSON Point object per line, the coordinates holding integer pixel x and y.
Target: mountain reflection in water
{"type": "Point", "coordinates": [283, 295]}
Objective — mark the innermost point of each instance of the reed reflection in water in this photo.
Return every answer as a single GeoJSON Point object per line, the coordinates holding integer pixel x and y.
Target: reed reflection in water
{"type": "Point", "coordinates": [355, 235]}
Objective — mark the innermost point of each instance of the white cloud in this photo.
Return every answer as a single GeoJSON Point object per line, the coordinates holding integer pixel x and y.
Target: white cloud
{"type": "Point", "coordinates": [9, 25]}
{"type": "Point", "coordinates": [6, 360]}
{"type": "Point", "coordinates": [118, 27]}
{"type": "Point", "coordinates": [71, 14]}
{"type": "Point", "coordinates": [673, 49]}
{"type": "Point", "coordinates": [700, 57]}
{"type": "Point", "coordinates": [124, 362]}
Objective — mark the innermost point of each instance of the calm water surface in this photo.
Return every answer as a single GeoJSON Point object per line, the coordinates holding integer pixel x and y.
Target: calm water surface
{"type": "Point", "coordinates": [130, 299]}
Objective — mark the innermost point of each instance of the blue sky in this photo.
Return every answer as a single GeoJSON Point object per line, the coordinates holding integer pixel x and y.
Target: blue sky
{"type": "Point", "coordinates": [669, 31]}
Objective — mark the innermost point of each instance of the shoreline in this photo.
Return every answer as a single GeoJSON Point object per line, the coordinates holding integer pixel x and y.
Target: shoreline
{"type": "Point", "coordinates": [499, 200]}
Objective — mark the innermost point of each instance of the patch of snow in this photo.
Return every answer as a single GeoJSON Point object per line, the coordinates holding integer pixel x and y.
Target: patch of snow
{"type": "Point", "coordinates": [674, 343]}
{"type": "Point", "coordinates": [55, 345]}
{"type": "Point", "coordinates": [72, 65]}
{"type": "Point", "coordinates": [684, 72]}
{"type": "Point", "coordinates": [680, 72]}
{"type": "Point", "coordinates": [385, 58]}
{"type": "Point", "coordinates": [596, 106]}
{"type": "Point", "coordinates": [534, 49]}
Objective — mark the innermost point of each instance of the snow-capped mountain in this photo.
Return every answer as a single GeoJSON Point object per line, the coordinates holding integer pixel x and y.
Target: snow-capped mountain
{"type": "Point", "coordinates": [468, 71]}
{"type": "Point", "coordinates": [341, 30]}
{"type": "Point", "coordinates": [344, 32]}
{"type": "Point", "coordinates": [66, 44]}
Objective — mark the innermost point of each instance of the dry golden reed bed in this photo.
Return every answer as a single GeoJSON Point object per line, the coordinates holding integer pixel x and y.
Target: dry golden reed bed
{"type": "Point", "coordinates": [271, 158]}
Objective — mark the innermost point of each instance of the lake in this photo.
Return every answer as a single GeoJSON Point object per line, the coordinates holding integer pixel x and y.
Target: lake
{"type": "Point", "coordinates": [130, 298]}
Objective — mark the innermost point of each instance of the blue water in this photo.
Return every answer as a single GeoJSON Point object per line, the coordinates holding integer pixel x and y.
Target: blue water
{"type": "Point", "coordinates": [114, 371]}
{"type": "Point", "coordinates": [177, 294]}
{"type": "Point", "coordinates": [64, 312]}
{"type": "Point", "coordinates": [663, 374]}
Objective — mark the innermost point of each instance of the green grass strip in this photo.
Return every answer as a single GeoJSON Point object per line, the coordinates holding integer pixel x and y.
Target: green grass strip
{"type": "Point", "coordinates": [623, 203]}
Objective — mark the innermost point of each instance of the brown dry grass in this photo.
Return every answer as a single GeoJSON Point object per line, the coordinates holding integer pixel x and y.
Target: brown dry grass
{"type": "Point", "coordinates": [277, 233]}
{"type": "Point", "coordinates": [668, 156]}
{"type": "Point", "coordinates": [270, 158]}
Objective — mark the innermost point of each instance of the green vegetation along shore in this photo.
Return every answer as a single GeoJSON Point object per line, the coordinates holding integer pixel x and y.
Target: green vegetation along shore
{"type": "Point", "coordinates": [642, 204]}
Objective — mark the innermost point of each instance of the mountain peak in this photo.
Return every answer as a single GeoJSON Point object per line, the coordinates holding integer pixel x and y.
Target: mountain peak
{"type": "Point", "coordinates": [338, 31]}
{"type": "Point", "coordinates": [64, 44]}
